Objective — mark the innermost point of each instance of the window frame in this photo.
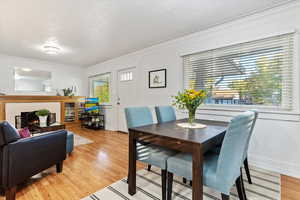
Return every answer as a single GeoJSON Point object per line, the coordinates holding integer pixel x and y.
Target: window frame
{"type": "Point", "coordinates": [295, 93]}
{"type": "Point", "coordinates": [93, 78]}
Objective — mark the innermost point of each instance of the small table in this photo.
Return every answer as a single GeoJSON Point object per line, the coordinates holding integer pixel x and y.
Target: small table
{"type": "Point", "coordinates": [171, 136]}
{"type": "Point", "coordinates": [52, 127]}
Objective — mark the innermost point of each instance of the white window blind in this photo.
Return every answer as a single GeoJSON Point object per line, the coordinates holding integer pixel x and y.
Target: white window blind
{"type": "Point", "coordinates": [253, 73]}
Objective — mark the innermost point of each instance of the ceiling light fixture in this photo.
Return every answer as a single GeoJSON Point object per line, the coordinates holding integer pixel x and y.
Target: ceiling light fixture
{"type": "Point", "coordinates": [26, 69]}
{"type": "Point", "coordinates": [51, 50]}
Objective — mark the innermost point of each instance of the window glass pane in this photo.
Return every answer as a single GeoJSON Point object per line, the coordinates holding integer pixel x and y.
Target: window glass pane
{"type": "Point", "coordinates": [100, 87]}
{"type": "Point", "coordinates": [126, 76]}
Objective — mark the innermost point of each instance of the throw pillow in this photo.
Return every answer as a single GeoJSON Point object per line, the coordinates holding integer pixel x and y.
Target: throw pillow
{"type": "Point", "coordinates": [24, 133]}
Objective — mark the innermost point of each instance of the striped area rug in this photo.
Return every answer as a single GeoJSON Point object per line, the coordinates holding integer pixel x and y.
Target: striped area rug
{"type": "Point", "coordinates": [266, 186]}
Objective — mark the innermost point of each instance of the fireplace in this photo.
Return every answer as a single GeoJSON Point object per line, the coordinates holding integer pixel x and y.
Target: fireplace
{"type": "Point", "coordinates": [29, 119]}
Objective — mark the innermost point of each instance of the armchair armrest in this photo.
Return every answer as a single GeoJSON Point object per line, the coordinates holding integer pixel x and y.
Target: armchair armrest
{"type": "Point", "coordinates": [29, 156]}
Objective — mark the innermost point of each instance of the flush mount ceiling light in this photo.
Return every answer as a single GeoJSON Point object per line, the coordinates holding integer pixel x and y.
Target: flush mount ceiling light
{"type": "Point", "coordinates": [26, 69]}
{"type": "Point", "coordinates": [51, 50]}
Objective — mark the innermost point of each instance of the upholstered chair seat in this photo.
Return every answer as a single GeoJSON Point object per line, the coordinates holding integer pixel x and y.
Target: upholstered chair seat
{"type": "Point", "coordinates": [154, 155]}
{"type": "Point", "coordinates": [181, 165]}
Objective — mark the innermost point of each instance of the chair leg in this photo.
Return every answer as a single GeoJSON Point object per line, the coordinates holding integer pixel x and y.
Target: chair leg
{"type": "Point", "coordinates": [239, 188]}
{"type": "Point", "coordinates": [225, 196]}
{"type": "Point", "coordinates": [10, 193]}
{"type": "Point", "coordinates": [164, 183]}
{"type": "Point", "coordinates": [59, 167]}
{"type": "Point", "coordinates": [247, 170]}
{"type": "Point", "coordinates": [243, 186]}
{"type": "Point", "coordinates": [127, 178]}
{"type": "Point", "coordinates": [170, 186]}
{"type": "Point", "coordinates": [149, 168]}
{"type": "Point", "coordinates": [191, 183]}
{"type": "Point", "coordinates": [184, 180]}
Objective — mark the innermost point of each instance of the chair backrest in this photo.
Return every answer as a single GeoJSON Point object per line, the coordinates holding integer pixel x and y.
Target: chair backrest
{"type": "Point", "coordinates": [138, 116]}
{"type": "Point", "coordinates": [165, 114]}
{"type": "Point", "coordinates": [233, 148]}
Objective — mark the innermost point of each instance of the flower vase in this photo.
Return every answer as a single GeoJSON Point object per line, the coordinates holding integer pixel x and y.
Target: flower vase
{"type": "Point", "coordinates": [192, 114]}
{"type": "Point", "coordinates": [43, 121]}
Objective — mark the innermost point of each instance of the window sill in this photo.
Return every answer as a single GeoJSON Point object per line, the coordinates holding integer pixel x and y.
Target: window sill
{"type": "Point", "coordinates": [229, 111]}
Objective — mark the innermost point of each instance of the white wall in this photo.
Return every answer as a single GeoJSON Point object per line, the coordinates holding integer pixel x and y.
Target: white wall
{"type": "Point", "coordinates": [62, 75]}
{"type": "Point", "coordinates": [276, 143]}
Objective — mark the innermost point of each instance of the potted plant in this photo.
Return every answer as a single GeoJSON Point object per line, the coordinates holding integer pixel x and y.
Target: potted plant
{"type": "Point", "coordinates": [68, 92]}
{"type": "Point", "coordinates": [43, 115]}
{"type": "Point", "coordinates": [190, 100]}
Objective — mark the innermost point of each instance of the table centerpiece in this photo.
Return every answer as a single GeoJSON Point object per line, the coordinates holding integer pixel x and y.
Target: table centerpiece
{"type": "Point", "coordinates": [190, 100]}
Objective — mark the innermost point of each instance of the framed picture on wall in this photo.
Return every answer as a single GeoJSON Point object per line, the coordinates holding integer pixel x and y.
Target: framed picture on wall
{"type": "Point", "coordinates": [158, 78]}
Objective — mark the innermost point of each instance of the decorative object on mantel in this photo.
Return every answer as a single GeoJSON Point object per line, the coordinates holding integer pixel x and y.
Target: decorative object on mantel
{"type": "Point", "coordinates": [69, 92]}
{"type": "Point", "coordinates": [57, 93]}
{"type": "Point", "coordinates": [158, 78]}
{"type": "Point", "coordinates": [190, 100]}
{"type": "Point", "coordinates": [43, 115]}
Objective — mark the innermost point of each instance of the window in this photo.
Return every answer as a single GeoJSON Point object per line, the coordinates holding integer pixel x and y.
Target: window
{"type": "Point", "coordinates": [100, 87]}
{"type": "Point", "coordinates": [126, 76]}
{"type": "Point", "coordinates": [254, 73]}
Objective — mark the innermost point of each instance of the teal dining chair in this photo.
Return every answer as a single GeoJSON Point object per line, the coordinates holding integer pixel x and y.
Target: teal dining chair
{"type": "Point", "coordinates": [220, 171]}
{"type": "Point", "coordinates": [165, 114]}
{"type": "Point", "coordinates": [246, 165]}
{"type": "Point", "coordinates": [148, 153]}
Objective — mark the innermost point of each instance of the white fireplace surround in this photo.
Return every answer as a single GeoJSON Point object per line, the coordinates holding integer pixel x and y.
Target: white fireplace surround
{"type": "Point", "coordinates": [14, 109]}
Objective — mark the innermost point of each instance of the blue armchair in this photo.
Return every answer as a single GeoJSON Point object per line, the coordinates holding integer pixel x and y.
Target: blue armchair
{"type": "Point", "coordinates": [147, 153]}
{"type": "Point", "coordinates": [220, 171]}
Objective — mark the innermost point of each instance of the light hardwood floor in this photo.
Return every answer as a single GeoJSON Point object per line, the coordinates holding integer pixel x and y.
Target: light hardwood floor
{"type": "Point", "coordinates": [97, 165]}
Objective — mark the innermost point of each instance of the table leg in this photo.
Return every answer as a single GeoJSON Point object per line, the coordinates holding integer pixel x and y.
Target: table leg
{"type": "Point", "coordinates": [132, 165]}
{"type": "Point", "coordinates": [197, 172]}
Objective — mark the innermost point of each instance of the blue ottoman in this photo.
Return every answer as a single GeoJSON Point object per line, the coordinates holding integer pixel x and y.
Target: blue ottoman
{"type": "Point", "coordinates": [70, 142]}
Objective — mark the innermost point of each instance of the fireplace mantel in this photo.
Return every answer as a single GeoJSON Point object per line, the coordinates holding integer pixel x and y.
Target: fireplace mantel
{"type": "Point", "coordinates": [32, 98]}
{"type": "Point", "coordinates": [62, 100]}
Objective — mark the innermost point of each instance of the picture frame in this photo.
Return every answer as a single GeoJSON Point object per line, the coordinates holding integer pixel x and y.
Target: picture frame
{"type": "Point", "coordinates": [158, 78]}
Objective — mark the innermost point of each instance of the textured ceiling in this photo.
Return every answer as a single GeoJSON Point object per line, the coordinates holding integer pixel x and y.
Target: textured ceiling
{"type": "Point", "coordinates": [92, 31]}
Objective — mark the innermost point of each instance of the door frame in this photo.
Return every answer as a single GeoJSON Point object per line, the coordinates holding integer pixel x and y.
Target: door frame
{"type": "Point", "coordinates": [117, 91]}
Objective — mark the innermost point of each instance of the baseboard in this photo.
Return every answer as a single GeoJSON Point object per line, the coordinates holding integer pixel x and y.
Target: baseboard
{"type": "Point", "coordinates": [281, 167]}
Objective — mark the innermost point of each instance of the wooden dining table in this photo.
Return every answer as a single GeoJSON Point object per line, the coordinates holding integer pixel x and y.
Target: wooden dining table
{"type": "Point", "coordinates": [172, 136]}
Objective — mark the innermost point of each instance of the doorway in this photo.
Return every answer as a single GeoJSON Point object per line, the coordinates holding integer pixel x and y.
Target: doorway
{"type": "Point", "coordinates": [126, 95]}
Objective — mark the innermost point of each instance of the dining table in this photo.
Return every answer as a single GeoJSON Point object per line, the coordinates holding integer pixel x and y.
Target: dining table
{"type": "Point", "coordinates": [172, 136]}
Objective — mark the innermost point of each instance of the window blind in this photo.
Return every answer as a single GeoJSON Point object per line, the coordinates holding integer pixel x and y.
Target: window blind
{"type": "Point", "coordinates": [259, 72]}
